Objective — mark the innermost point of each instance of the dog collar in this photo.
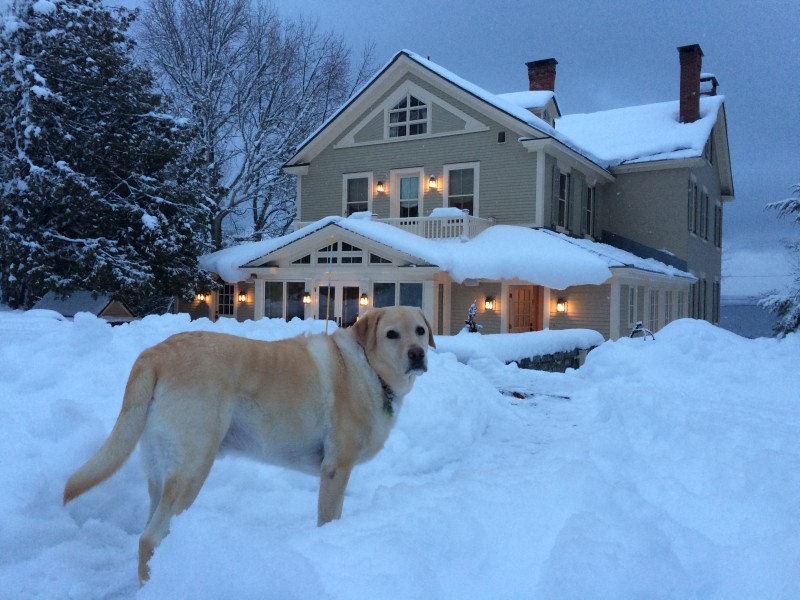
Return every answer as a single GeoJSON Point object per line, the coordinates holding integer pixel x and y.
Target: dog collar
{"type": "Point", "coordinates": [388, 397]}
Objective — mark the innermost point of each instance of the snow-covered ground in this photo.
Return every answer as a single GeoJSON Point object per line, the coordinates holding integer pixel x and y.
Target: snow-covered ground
{"type": "Point", "coordinates": [660, 469]}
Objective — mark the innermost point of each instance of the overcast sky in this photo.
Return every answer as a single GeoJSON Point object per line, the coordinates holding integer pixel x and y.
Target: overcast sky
{"type": "Point", "coordinates": [621, 53]}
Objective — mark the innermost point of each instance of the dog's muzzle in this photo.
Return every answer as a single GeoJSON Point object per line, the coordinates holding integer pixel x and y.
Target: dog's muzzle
{"type": "Point", "coordinates": [416, 359]}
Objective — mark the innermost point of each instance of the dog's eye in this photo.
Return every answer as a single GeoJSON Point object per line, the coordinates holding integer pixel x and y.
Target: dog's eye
{"type": "Point", "coordinates": [392, 334]}
{"type": "Point", "coordinates": [420, 331]}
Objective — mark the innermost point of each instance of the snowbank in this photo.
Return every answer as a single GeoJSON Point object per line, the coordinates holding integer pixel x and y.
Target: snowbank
{"type": "Point", "coordinates": [508, 347]}
{"type": "Point", "coordinates": [666, 469]}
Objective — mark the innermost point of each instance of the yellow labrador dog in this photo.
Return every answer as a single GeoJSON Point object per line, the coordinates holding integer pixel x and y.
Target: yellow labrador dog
{"type": "Point", "coordinates": [319, 404]}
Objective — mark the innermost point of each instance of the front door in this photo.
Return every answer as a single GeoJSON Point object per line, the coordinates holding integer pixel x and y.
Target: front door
{"type": "Point", "coordinates": [339, 303]}
{"type": "Point", "coordinates": [525, 304]}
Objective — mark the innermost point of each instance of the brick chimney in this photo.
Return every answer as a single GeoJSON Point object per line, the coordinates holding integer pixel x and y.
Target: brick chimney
{"type": "Point", "coordinates": [542, 75]}
{"type": "Point", "coordinates": [691, 58]}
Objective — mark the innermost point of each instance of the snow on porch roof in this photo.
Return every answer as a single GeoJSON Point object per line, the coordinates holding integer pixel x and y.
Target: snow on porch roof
{"type": "Point", "coordinates": [501, 252]}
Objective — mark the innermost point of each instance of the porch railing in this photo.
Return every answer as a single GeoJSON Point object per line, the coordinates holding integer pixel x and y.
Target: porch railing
{"type": "Point", "coordinates": [445, 227]}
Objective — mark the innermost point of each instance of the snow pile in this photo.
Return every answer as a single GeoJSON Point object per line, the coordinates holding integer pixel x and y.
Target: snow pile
{"type": "Point", "coordinates": [660, 469]}
{"type": "Point", "coordinates": [504, 347]}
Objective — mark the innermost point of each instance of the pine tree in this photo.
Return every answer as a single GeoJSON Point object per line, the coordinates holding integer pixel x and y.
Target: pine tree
{"type": "Point", "coordinates": [786, 304]}
{"type": "Point", "coordinates": [98, 189]}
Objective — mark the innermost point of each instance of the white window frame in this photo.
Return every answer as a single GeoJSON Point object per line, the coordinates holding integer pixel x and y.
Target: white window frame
{"type": "Point", "coordinates": [346, 178]}
{"type": "Point", "coordinates": [426, 103]}
{"type": "Point", "coordinates": [475, 166]}
{"type": "Point", "coordinates": [394, 190]}
{"type": "Point", "coordinates": [652, 313]}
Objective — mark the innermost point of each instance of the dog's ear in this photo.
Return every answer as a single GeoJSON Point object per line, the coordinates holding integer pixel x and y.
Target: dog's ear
{"type": "Point", "coordinates": [364, 328]}
{"type": "Point", "coordinates": [431, 343]}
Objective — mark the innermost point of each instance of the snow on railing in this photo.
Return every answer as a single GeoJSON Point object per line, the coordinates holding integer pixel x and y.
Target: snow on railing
{"type": "Point", "coordinates": [446, 225]}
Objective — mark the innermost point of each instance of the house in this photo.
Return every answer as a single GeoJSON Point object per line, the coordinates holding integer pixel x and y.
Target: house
{"type": "Point", "coordinates": [100, 305]}
{"type": "Point", "coordinates": [425, 189]}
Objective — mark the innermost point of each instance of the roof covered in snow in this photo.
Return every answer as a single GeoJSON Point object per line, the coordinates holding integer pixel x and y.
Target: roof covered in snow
{"type": "Point", "coordinates": [608, 138]}
{"type": "Point", "coordinates": [642, 133]}
{"type": "Point", "coordinates": [501, 252]}
{"type": "Point", "coordinates": [80, 301]}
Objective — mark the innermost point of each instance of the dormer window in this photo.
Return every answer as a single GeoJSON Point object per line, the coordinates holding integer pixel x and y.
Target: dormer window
{"type": "Point", "coordinates": [408, 117]}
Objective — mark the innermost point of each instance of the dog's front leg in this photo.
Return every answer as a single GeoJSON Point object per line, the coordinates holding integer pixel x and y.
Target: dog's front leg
{"type": "Point", "coordinates": [333, 482]}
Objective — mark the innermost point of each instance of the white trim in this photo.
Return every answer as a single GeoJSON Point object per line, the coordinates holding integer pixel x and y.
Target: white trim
{"type": "Point", "coordinates": [476, 166]}
{"type": "Point", "coordinates": [409, 88]}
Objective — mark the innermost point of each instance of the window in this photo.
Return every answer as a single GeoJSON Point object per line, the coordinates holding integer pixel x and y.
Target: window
{"type": "Point", "coordinates": [692, 206]}
{"type": "Point", "coordinates": [681, 305]}
{"type": "Point", "coordinates": [303, 260]}
{"type": "Point", "coordinates": [327, 255]}
{"type": "Point", "coordinates": [715, 302]}
{"type": "Point", "coordinates": [589, 211]}
{"type": "Point", "coordinates": [668, 306]}
{"type": "Point", "coordinates": [632, 306]}
{"type": "Point", "coordinates": [273, 299]}
{"type": "Point", "coordinates": [383, 294]}
{"type": "Point", "coordinates": [409, 196]}
{"type": "Point", "coordinates": [718, 226]}
{"type": "Point", "coordinates": [411, 294]}
{"type": "Point", "coordinates": [561, 185]}
{"type": "Point", "coordinates": [351, 254]}
{"type": "Point", "coordinates": [461, 186]}
{"type": "Point", "coordinates": [653, 320]}
{"type": "Point", "coordinates": [225, 300]}
{"type": "Point", "coordinates": [356, 193]}
{"type": "Point", "coordinates": [374, 259]}
{"type": "Point", "coordinates": [704, 215]}
{"type": "Point", "coordinates": [408, 117]}
{"type": "Point", "coordinates": [294, 300]}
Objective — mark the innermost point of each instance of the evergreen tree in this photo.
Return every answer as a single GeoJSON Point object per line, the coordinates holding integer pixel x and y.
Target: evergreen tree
{"type": "Point", "coordinates": [98, 188]}
{"type": "Point", "coordinates": [786, 304]}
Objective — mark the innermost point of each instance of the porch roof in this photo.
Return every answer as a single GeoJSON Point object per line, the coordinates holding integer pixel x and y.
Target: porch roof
{"type": "Point", "coordinates": [501, 252]}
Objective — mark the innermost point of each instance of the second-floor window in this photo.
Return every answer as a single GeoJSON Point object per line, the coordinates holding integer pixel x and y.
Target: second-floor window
{"type": "Point", "coordinates": [461, 184]}
{"type": "Point", "coordinates": [356, 191]}
{"type": "Point", "coordinates": [562, 200]}
{"type": "Point", "coordinates": [408, 117]}
{"type": "Point", "coordinates": [589, 212]}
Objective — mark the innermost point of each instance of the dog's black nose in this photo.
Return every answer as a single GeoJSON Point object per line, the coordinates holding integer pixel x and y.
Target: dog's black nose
{"type": "Point", "coordinates": [417, 356]}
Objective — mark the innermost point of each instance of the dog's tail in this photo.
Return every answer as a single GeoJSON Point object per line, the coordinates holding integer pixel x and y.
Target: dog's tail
{"type": "Point", "coordinates": [126, 433]}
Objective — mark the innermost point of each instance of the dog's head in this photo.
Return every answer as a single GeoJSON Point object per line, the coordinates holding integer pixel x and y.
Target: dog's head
{"type": "Point", "coordinates": [395, 341]}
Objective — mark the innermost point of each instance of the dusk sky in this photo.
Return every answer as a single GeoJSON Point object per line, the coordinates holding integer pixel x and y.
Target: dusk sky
{"type": "Point", "coordinates": [623, 53]}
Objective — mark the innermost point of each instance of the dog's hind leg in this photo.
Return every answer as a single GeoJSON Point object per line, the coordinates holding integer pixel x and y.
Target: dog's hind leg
{"type": "Point", "coordinates": [176, 495]}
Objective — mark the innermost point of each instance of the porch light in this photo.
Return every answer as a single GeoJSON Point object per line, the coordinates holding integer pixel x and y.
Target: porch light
{"type": "Point", "coordinates": [380, 187]}
{"type": "Point", "coordinates": [201, 297]}
{"type": "Point", "coordinates": [364, 300]}
{"type": "Point", "coordinates": [306, 298]}
{"type": "Point", "coordinates": [242, 296]}
{"type": "Point", "coordinates": [488, 304]}
{"type": "Point", "coordinates": [432, 183]}
{"type": "Point", "coordinates": [561, 305]}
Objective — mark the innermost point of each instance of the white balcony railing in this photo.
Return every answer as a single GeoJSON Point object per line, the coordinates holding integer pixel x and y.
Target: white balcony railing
{"type": "Point", "coordinates": [464, 227]}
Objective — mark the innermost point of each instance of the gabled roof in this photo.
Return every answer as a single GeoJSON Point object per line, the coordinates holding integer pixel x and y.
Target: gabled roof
{"type": "Point", "coordinates": [612, 138]}
{"type": "Point", "coordinates": [80, 301]}
{"type": "Point", "coordinates": [501, 252]}
{"type": "Point", "coordinates": [499, 107]}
